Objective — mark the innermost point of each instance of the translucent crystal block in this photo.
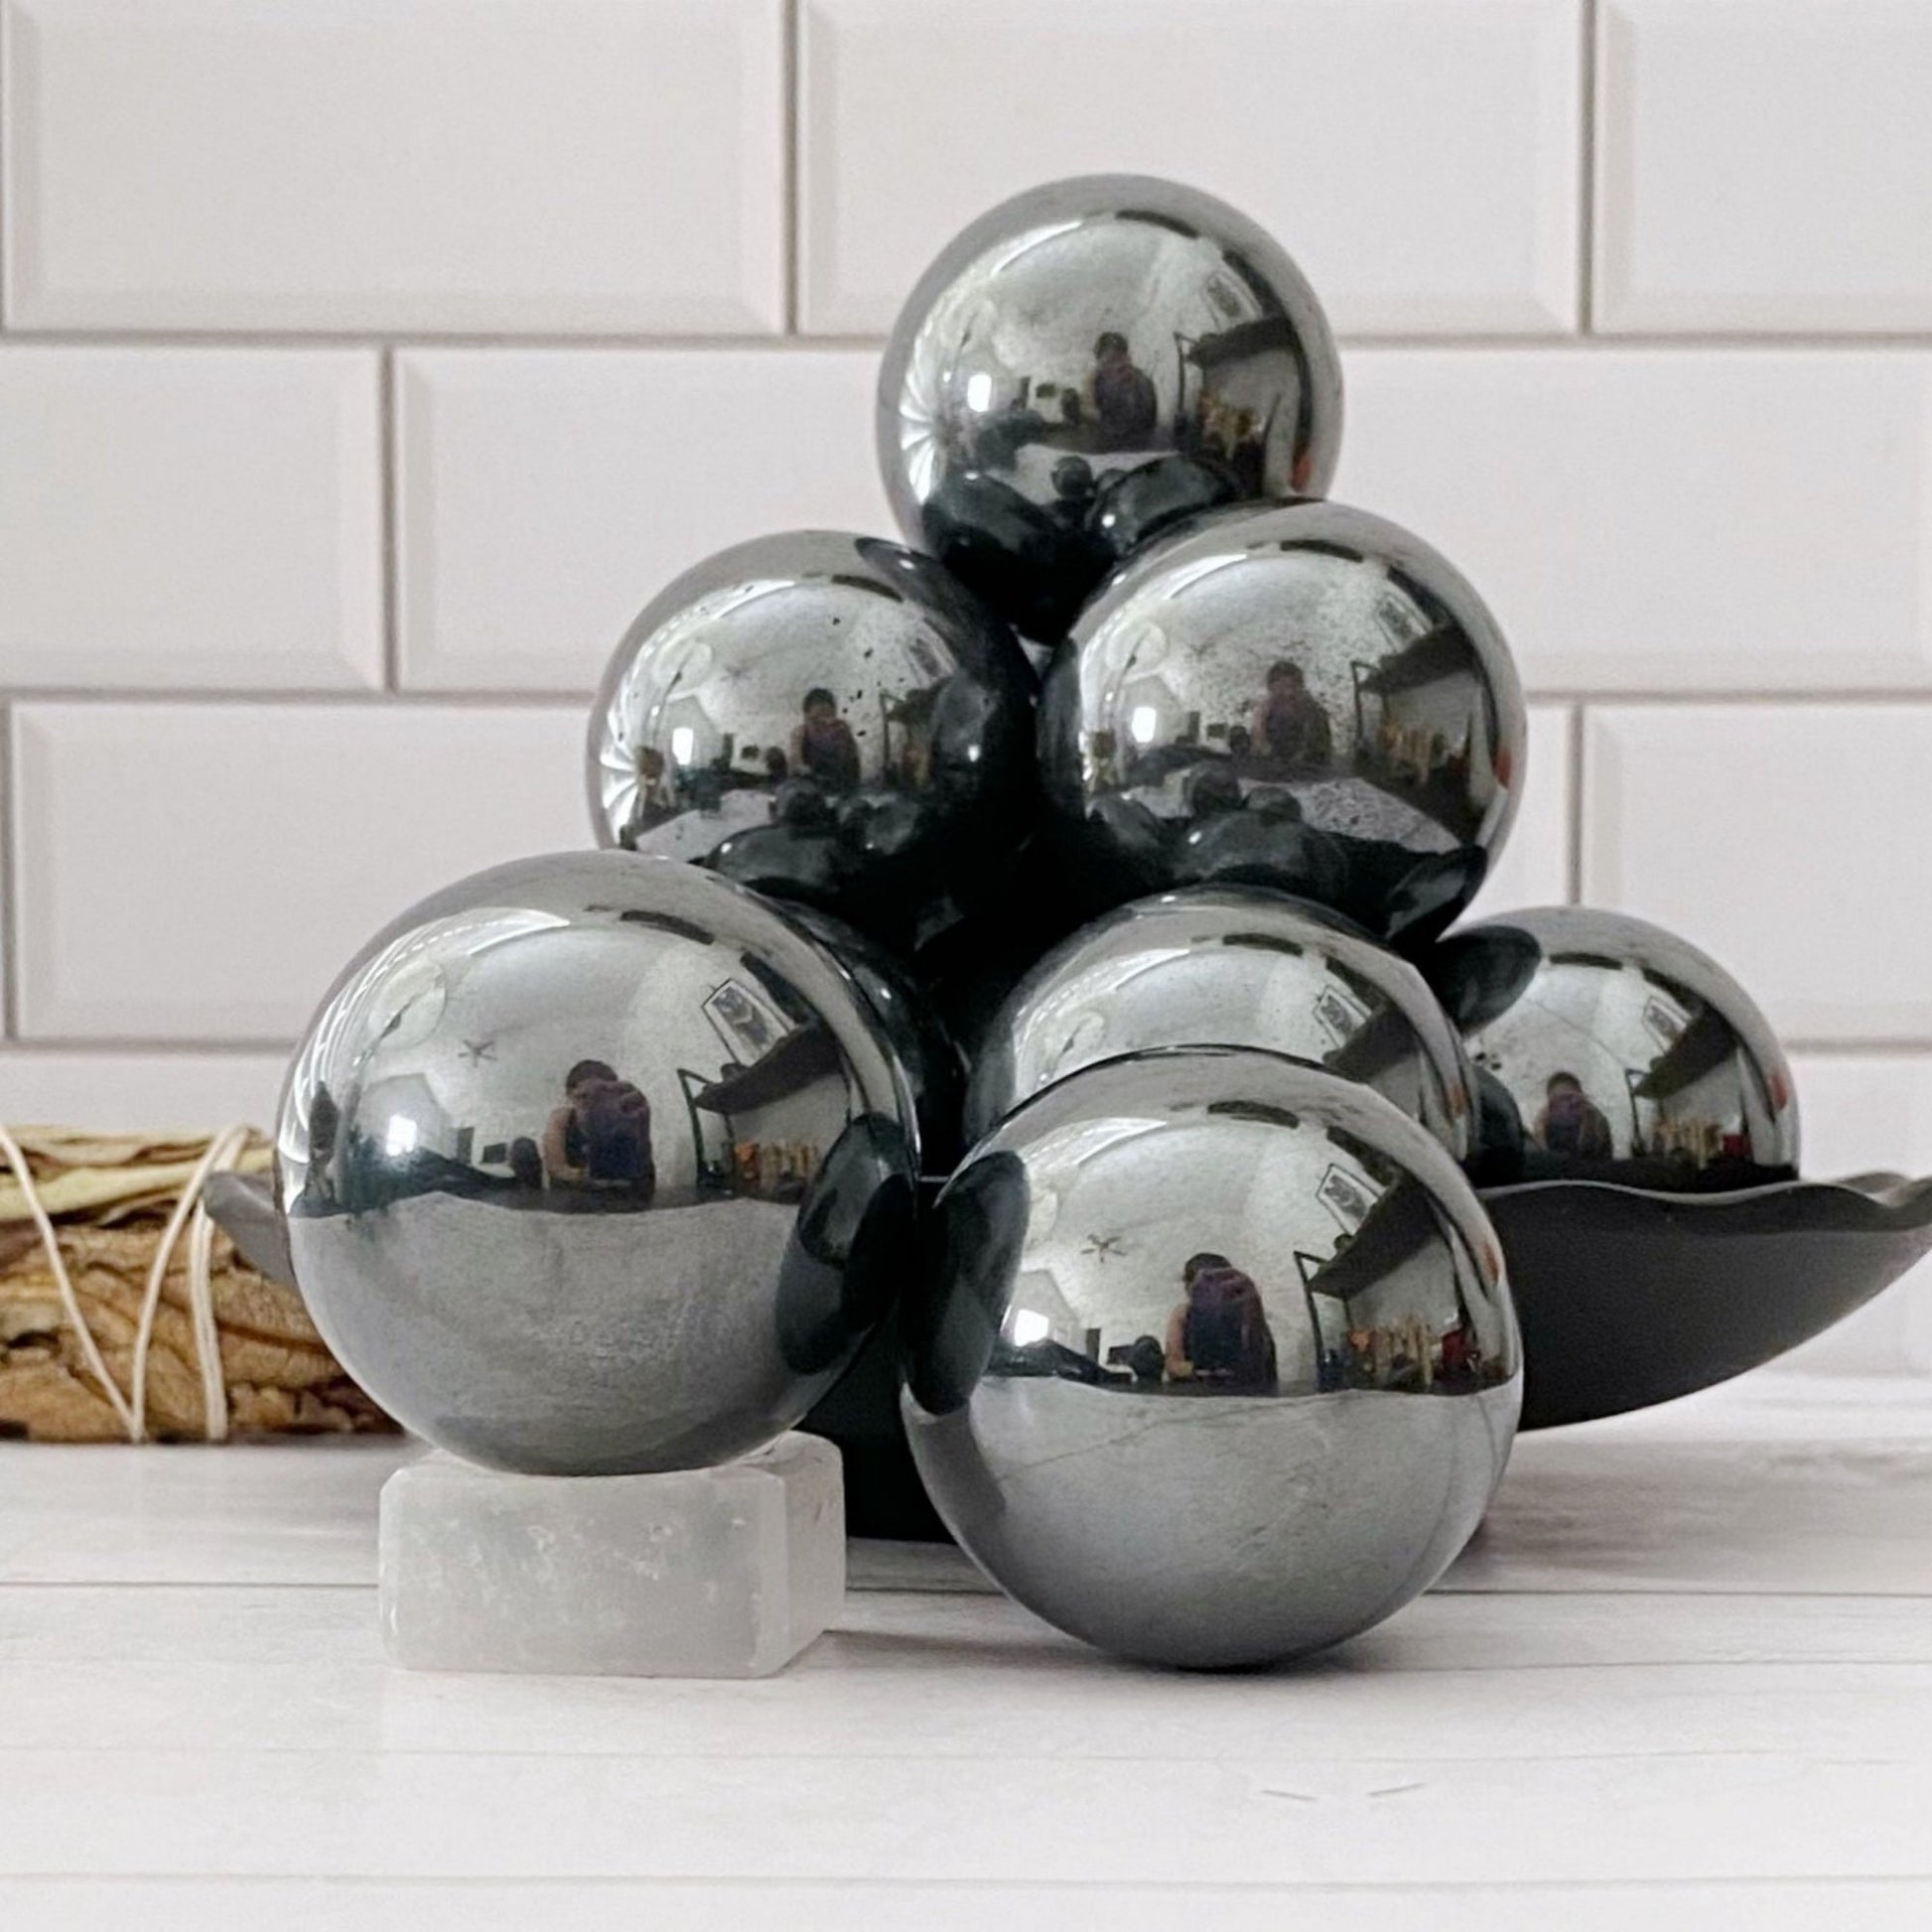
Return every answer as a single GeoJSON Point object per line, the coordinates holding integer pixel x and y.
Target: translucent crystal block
{"type": "Point", "coordinates": [728, 1572]}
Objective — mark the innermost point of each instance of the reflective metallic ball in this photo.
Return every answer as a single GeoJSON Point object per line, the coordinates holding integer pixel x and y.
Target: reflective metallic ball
{"type": "Point", "coordinates": [1084, 364]}
{"type": "Point", "coordinates": [1215, 1363]}
{"type": "Point", "coordinates": [596, 1164]}
{"type": "Point", "coordinates": [1230, 966]}
{"type": "Point", "coordinates": [1610, 1050]}
{"type": "Point", "coordinates": [823, 717]}
{"type": "Point", "coordinates": [1302, 696]}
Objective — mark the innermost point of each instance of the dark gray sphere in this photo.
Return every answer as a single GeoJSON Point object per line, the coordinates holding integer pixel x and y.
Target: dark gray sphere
{"type": "Point", "coordinates": [1228, 966]}
{"type": "Point", "coordinates": [1610, 1050]}
{"type": "Point", "coordinates": [1302, 696]}
{"type": "Point", "coordinates": [823, 717]}
{"type": "Point", "coordinates": [1215, 1363]}
{"type": "Point", "coordinates": [1084, 364]}
{"type": "Point", "coordinates": [596, 1164]}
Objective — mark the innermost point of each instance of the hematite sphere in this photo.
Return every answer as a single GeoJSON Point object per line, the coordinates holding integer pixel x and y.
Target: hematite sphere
{"type": "Point", "coordinates": [1084, 364]}
{"type": "Point", "coordinates": [1304, 696]}
{"type": "Point", "coordinates": [1230, 966]}
{"type": "Point", "coordinates": [1610, 1050]}
{"type": "Point", "coordinates": [824, 717]}
{"type": "Point", "coordinates": [1215, 1363]}
{"type": "Point", "coordinates": [596, 1164]}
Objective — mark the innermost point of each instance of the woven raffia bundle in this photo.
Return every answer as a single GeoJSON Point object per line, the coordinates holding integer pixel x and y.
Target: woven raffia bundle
{"type": "Point", "coordinates": [226, 1351]}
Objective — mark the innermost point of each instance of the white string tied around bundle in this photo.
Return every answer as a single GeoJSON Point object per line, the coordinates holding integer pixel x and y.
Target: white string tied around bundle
{"type": "Point", "coordinates": [220, 1155]}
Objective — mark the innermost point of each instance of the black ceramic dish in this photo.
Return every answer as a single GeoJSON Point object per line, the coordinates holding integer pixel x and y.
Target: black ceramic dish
{"type": "Point", "coordinates": [1629, 1297]}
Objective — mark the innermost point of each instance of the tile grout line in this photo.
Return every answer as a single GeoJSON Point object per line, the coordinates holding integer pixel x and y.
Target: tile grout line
{"type": "Point", "coordinates": [1586, 174]}
{"type": "Point", "coordinates": [347, 698]}
{"type": "Point", "coordinates": [1472, 341]}
{"type": "Point", "coordinates": [794, 29]}
{"type": "Point", "coordinates": [54, 1046]}
{"type": "Point", "coordinates": [556, 697]}
{"type": "Point", "coordinates": [1572, 857]}
{"type": "Point", "coordinates": [69, 1048]}
{"type": "Point", "coordinates": [10, 819]}
{"type": "Point", "coordinates": [6, 172]}
{"type": "Point", "coordinates": [389, 466]}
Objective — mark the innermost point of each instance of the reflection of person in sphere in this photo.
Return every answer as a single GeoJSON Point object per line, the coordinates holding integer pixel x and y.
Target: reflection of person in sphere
{"type": "Point", "coordinates": [822, 744]}
{"type": "Point", "coordinates": [600, 1138]}
{"type": "Point", "coordinates": [1570, 1122]}
{"type": "Point", "coordinates": [1124, 398]}
{"type": "Point", "coordinates": [1295, 727]}
{"type": "Point", "coordinates": [1219, 1335]}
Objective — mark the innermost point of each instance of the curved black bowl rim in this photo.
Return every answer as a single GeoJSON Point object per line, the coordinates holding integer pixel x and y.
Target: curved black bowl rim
{"type": "Point", "coordinates": [1629, 1296]}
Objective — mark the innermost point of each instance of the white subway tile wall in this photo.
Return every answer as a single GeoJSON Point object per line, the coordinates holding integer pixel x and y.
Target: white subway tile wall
{"type": "Point", "coordinates": [544, 495]}
{"type": "Point", "coordinates": [365, 367]}
{"type": "Point", "coordinates": [466, 166]}
{"type": "Point", "coordinates": [1765, 164]}
{"type": "Point", "coordinates": [200, 872]}
{"type": "Point", "coordinates": [190, 518]}
{"type": "Point", "coordinates": [1420, 158]}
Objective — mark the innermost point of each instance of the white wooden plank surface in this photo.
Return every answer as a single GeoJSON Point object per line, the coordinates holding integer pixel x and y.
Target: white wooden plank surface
{"type": "Point", "coordinates": [1771, 1482]}
{"type": "Point", "coordinates": [1686, 1672]}
{"type": "Point", "coordinates": [328, 1905]}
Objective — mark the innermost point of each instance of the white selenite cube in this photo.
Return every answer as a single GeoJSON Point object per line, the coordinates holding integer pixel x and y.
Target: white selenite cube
{"type": "Point", "coordinates": [700, 1573]}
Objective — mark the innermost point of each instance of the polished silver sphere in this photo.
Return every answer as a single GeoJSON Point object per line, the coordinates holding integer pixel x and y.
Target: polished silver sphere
{"type": "Point", "coordinates": [1302, 696]}
{"type": "Point", "coordinates": [1215, 1363]}
{"type": "Point", "coordinates": [1610, 1050]}
{"type": "Point", "coordinates": [824, 717]}
{"type": "Point", "coordinates": [594, 1164]}
{"type": "Point", "coordinates": [1228, 966]}
{"type": "Point", "coordinates": [1084, 364]}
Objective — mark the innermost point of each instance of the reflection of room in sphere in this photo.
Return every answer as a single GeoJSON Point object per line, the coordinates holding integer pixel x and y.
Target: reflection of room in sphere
{"type": "Point", "coordinates": [503, 1092]}
{"type": "Point", "coordinates": [820, 681]}
{"type": "Point", "coordinates": [1269, 993]}
{"type": "Point", "coordinates": [1335, 1242]}
{"type": "Point", "coordinates": [771, 1115]}
{"type": "Point", "coordinates": [1346, 687]}
{"type": "Point", "coordinates": [1385, 1313]}
{"type": "Point", "coordinates": [1220, 385]}
{"type": "Point", "coordinates": [1602, 1040]}
{"type": "Point", "coordinates": [1423, 727]}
